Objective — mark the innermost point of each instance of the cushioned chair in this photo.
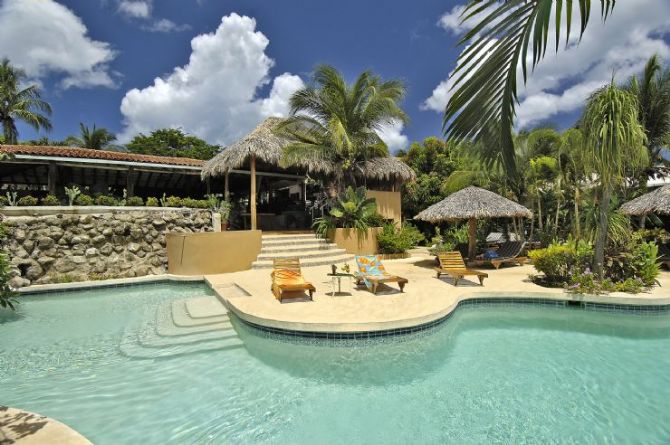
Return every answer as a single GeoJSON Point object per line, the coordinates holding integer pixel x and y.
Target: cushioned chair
{"type": "Point", "coordinates": [452, 264]}
{"type": "Point", "coordinates": [287, 277]}
{"type": "Point", "coordinates": [509, 252]}
{"type": "Point", "coordinates": [372, 273]}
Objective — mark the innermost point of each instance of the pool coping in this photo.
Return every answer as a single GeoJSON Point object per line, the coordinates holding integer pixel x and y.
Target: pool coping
{"type": "Point", "coordinates": [114, 282]}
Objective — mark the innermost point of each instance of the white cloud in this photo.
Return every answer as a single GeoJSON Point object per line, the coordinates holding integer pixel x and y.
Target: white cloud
{"type": "Point", "coordinates": [166, 25]}
{"type": "Point", "coordinates": [45, 37]}
{"type": "Point", "coordinates": [562, 82]}
{"type": "Point", "coordinates": [135, 8]}
{"type": "Point", "coordinates": [214, 95]}
{"type": "Point", "coordinates": [393, 137]}
{"type": "Point", "coordinates": [452, 20]}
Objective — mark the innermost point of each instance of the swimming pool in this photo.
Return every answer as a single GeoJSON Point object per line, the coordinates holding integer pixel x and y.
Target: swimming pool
{"type": "Point", "coordinates": [489, 374]}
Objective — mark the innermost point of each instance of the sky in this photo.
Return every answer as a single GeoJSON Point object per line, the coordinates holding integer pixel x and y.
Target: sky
{"type": "Point", "coordinates": [216, 68]}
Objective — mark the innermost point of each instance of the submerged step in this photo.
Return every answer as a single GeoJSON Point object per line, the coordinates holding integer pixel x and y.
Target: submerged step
{"type": "Point", "coordinates": [181, 317]}
{"type": "Point", "coordinates": [135, 350]}
{"type": "Point", "coordinates": [205, 307]}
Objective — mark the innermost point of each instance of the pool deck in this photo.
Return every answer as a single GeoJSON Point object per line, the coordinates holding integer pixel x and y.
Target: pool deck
{"type": "Point", "coordinates": [426, 299]}
{"type": "Point", "coordinates": [26, 428]}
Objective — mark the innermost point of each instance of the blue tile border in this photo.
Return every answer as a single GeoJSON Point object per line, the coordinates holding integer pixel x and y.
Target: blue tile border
{"type": "Point", "coordinates": [285, 334]}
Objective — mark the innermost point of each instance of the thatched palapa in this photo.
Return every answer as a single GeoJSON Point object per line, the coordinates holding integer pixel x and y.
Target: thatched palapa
{"type": "Point", "coordinates": [387, 169]}
{"type": "Point", "coordinates": [657, 201]}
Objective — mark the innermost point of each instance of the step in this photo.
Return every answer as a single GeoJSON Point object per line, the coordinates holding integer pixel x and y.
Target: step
{"type": "Point", "coordinates": [165, 326]}
{"type": "Point", "coordinates": [137, 351]}
{"type": "Point", "coordinates": [291, 242]}
{"type": "Point", "coordinates": [181, 317]}
{"type": "Point", "coordinates": [205, 307]}
{"type": "Point", "coordinates": [303, 255]}
{"type": "Point", "coordinates": [299, 247]}
{"type": "Point", "coordinates": [304, 236]}
{"type": "Point", "coordinates": [320, 261]}
{"type": "Point", "coordinates": [151, 339]}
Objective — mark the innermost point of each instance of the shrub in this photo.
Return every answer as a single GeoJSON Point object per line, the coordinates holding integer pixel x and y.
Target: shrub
{"type": "Point", "coordinates": [560, 262]}
{"type": "Point", "coordinates": [7, 294]}
{"type": "Point", "coordinates": [392, 240]}
{"type": "Point", "coordinates": [106, 200]}
{"type": "Point", "coordinates": [151, 202]}
{"type": "Point", "coordinates": [172, 201]}
{"type": "Point", "coordinates": [27, 201]}
{"type": "Point", "coordinates": [195, 203]}
{"type": "Point", "coordinates": [4, 201]}
{"type": "Point", "coordinates": [376, 220]}
{"type": "Point", "coordinates": [134, 201]}
{"type": "Point", "coordinates": [83, 200]}
{"type": "Point", "coordinates": [50, 200]}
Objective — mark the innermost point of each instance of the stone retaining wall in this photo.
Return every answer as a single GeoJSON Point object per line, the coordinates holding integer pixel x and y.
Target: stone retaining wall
{"type": "Point", "coordinates": [62, 248]}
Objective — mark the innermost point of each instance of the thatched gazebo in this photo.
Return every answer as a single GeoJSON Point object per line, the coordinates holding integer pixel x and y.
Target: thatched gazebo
{"type": "Point", "coordinates": [473, 203]}
{"type": "Point", "coordinates": [264, 145]}
{"type": "Point", "coordinates": [657, 201]}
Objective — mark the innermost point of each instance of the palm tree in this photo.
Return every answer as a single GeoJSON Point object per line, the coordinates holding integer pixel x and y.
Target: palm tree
{"type": "Point", "coordinates": [23, 104]}
{"type": "Point", "coordinates": [95, 139]}
{"type": "Point", "coordinates": [485, 85]}
{"type": "Point", "coordinates": [615, 141]}
{"type": "Point", "coordinates": [653, 95]}
{"type": "Point", "coordinates": [333, 125]}
{"type": "Point", "coordinates": [573, 172]}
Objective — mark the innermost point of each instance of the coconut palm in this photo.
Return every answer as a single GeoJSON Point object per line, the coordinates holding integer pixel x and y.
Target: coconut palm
{"type": "Point", "coordinates": [615, 141]}
{"type": "Point", "coordinates": [22, 104]}
{"type": "Point", "coordinates": [485, 84]}
{"type": "Point", "coordinates": [334, 126]}
{"type": "Point", "coordinates": [95, 139]}
{"type": "Point", "coordinates": [652, 90]}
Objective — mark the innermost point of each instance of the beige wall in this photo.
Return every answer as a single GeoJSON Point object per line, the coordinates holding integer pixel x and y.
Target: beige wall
{"type": "Point", "coordinates": [388, 204]}
{"type": "Point", "coordinates": [212, 253]}
{"type": "Point", "coordinates": [349, 240]}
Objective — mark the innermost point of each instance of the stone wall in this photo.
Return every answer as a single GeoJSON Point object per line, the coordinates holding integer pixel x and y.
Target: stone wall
{"type": "Point", "coordinates": [63, 248]}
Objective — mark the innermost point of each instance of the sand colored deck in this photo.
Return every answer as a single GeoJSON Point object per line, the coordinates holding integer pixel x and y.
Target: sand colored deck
{"type": "Point", "coordinates": [425, 298]}
{"type": "Point", "coordinates": [25, 428]}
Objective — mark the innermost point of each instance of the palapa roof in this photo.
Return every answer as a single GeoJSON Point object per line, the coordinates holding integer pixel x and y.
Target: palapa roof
{"type": "Point", "coordinates": [473, 202]}
{"type": "Point", "coordinates": [268, 147]}
{"type": "Point", "coordinates": [261, 142]}
{"type": "Point", "coordinates": [657, 201]}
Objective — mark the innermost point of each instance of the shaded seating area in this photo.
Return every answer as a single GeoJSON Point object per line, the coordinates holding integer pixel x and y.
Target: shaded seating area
{"type": "Point", "coordinates": [452, 264]}
{"type": "Point", "coordinates": [287, 279]}
{"type": "Point", "coordinates": [509, 252]}
{"type": "Point", "coordinates": [372, 273]}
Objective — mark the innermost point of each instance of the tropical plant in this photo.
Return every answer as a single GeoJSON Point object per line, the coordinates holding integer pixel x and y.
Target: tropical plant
{"type": "Point", "coordinates": [23, 104]}
{"type": "Point", "coordinates": [27, 200]}
{"type": "Point", "coordinates": [84, 200]}
{"type": "Point", "coordinates": [12, 198]}
{"type": "Point", "coordinates": [652, 90]}
{"type": "Point", "coordinates": [350, 210]}
{"type": "Point", "coordinates": [72, 193]}
{"type": "Point", "coordinates": [172, 142]}
{"type": "Point", "coordinates": [333, 125]}
{"type": "Point", "coordinates": [616, 142]}
{"type": "Point", "coordinates": [94, 139]}
{"type": "Point", "coordinates": [7, 294]}
{"type": "Point", "coordinates": [50, 200]}
{"type": "Point", "coordinates": [134, 201]}
{"type": "Point", "coordinates": [151, 202]}
{"type": "Point", "coordinates": [485, 79]}
{"type": "Point", "coordinates": [394, 240]}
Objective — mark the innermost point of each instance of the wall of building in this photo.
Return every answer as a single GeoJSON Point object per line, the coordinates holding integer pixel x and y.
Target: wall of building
{"type": "Point", "coordinates": [388, 204]}
{"type": "Point", "coordinates": [212, 253]}
{"type": "Point", "coordinates": [354, 241]}
{"type": "Point", "coordinates": [114, 243]}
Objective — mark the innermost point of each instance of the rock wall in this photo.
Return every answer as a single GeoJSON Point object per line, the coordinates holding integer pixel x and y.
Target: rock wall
{"type": "Point", "coordinates": [63, 248]}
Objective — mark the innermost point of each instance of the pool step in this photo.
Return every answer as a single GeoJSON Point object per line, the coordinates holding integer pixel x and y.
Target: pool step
{"type": "Point", "coordinates": [180, 327]}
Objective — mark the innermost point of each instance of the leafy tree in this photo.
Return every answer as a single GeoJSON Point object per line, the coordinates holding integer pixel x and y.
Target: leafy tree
{"type": "Point", "coordinates": [333, 125]}
{"type": "Point", "coordinates": [652, 90]}
{"type": "Point", "coordinates": [172, 142]}
{"type": "Point", "coordinates": [95, 139]}
{"type": "Point", "coordinates": [351, 209]}
{"type": "Point", "coordinates": [23, 104]}
{"type": "Point", "coordinates": [616, 141]}
{"type": "Point", "coordinates": [485, 96]}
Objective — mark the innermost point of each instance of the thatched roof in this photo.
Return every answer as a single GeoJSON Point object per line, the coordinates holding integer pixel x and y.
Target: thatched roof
{"type": "Point", "coordinates": [657, 201]}
{"type": "Point", "coordinates": [261, 141]}
{"type": "Point", "coordinates": [387, 169]}
{"type": "Point", "coordinates": [473, 202]}
{"type": "Point", "coordinates": [268, 147]}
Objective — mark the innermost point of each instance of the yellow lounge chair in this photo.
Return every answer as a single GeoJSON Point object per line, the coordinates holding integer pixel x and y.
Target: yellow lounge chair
{"type": "Point", "coordinates": [372, 272]}
{"type": "Point", "coordinates": [452, 264]}
{"type": "Point", "coordinates": [287, 277]}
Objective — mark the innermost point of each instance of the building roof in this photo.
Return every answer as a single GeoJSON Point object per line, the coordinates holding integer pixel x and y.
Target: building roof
{"type": "Point", "coordinates": [85, 153]}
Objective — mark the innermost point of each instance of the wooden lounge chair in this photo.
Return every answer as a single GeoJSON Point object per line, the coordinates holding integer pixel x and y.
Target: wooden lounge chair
{"type": "Point", "coordinates": [508, 253]}
{"type": "Point", "coordinates": [452, 264]}
{"type": "Point", "coordinates": [287, 277]}
{"type": "Point", "coordinates": [372, 273]}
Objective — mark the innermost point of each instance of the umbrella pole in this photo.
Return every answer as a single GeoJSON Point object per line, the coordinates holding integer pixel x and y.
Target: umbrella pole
{"type": "Point", "coordinates": [252, 197]}
{"type": "Point", "coordinates": [472, 238]}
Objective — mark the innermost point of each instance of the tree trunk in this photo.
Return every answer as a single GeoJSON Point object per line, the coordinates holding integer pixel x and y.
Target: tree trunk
{"type": "Point", "coordinates": [578, 228]}
{"type": "Point", "coordinates": [472, 238]}
{"type": "Point", "coordinates": [539, 212]}
{"type": "Point", "coordinates": [601, 239]}
{"type": "Point", "coordinates": [252, 193]}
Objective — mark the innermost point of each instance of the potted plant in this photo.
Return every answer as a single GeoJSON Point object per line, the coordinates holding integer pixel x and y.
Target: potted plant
{"type": "Point", "coordinates": [220, 210]}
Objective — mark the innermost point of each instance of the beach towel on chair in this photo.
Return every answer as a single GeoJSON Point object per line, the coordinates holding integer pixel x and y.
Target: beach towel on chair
{"type": "Point", "coordinates": [369, 265]}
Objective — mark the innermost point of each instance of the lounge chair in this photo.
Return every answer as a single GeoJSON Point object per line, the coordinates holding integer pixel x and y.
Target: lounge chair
{"type": "Point", "coordinates": [508, 253]}
{"type": "Point", "coordinates": [452, 264]}
{"type": "Point", "coordinates": [664, 255]}
{"type": "Point", "coordinates": [287, 277]}
{"type": "Point", "coordinates": [372, 273]}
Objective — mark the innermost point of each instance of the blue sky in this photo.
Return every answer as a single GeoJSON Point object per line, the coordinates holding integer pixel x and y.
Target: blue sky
{"type": "Point", "coordinates": [222, 66]}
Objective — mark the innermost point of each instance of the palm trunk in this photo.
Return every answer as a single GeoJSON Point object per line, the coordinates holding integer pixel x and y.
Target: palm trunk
{"type": "Point", "coordinates": [601, 239]}
{"type": "Point", "coordinates": [540, 224]}
{"type": "Point", "coordinates": [578, 228]}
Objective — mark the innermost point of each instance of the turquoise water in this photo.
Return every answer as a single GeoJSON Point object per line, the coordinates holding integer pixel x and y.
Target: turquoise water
{"type": "Point", "coordinates": [490, 374]}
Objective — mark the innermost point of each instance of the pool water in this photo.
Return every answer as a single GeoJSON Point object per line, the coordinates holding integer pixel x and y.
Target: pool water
{"type": "Point", "coordinates": [489, 374]}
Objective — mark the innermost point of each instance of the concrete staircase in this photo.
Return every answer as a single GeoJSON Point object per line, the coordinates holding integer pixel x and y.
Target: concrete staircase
{"type": "Point", "coordinates": [311, 250]}
{"type": "Point", "coordinates": [181, 327]}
